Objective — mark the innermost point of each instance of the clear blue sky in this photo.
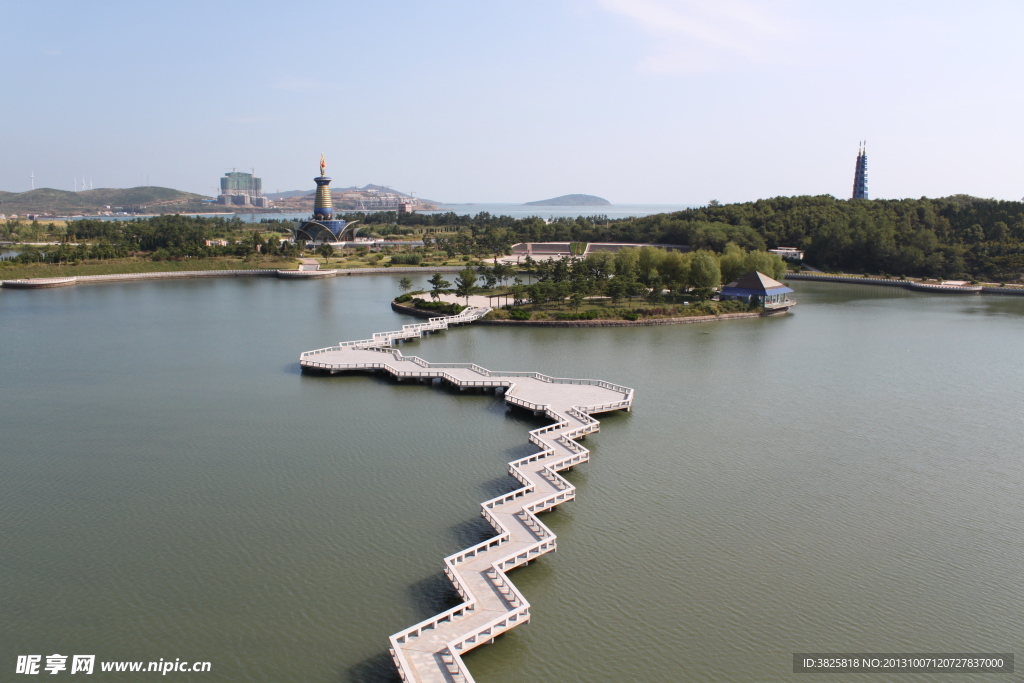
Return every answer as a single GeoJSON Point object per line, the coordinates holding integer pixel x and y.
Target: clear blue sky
{"type": "Point", "coordinates": [638, 101]}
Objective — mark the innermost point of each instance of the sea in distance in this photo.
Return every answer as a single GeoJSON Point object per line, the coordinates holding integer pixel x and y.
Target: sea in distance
{"type": "Point", "coordinates": [513, 210]}
{"type": "Point", "coordinates": [845, 478]}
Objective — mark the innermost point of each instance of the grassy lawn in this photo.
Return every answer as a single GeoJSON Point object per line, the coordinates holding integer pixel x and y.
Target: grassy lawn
{"type": "Point", "coordinates": [138, 265]}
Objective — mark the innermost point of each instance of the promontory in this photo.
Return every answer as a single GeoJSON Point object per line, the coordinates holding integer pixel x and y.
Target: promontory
{"type": "Point", "coordinates": [572, 200]}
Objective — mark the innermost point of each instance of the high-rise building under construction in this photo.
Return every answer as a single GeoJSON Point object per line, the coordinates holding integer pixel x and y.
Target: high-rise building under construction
{"type": "Point", "coordinates": [860, 176]}
{"type": "Point", "coordinates": [241, 189]}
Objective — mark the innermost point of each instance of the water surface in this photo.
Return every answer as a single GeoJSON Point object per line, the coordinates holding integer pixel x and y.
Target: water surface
{"type": "Point", "coordinates": [844, 478]}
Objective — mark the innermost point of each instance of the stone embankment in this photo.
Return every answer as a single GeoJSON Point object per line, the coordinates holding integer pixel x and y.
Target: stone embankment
{"type": "Point", "coordinates": [432, 649]}
{"type": "Point", "coordinates": [909, 284]}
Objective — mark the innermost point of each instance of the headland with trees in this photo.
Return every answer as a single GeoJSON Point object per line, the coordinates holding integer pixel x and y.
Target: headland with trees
{"type": "Point", "coordinates": [957, 237]}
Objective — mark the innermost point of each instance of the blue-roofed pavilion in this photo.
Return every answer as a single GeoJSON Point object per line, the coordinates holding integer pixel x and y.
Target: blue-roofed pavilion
{"type": "Point", "coordinates": [759, 289]}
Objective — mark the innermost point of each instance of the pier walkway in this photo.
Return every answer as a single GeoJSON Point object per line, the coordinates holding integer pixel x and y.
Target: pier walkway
{"type": "Point", "coordinates": [431, 650]}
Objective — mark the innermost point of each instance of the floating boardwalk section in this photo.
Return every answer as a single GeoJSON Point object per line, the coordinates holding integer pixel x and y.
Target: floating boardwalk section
{"type": "Point", "coordinates": [432, 649]}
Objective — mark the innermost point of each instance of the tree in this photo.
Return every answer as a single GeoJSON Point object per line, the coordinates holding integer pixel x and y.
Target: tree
{"type": "Point", "coordinates": [616, 289]}
{"type": "Point", "coordinates": [255, 240]}
{"type": "Point", "coordinates": [405, 284]}
{"type": "Point", "coordinates": [518, 293]}
{"type": "Point", "coordinates": [503, 272]}
{"type": "Point", "coordinates": [327, 251]}
{"type": "Point", "coordinates": [655, 296]}
{"type": "Point", "coordinates": [465, 283]}
{"type": "Point", "coordinates": [771, 265]}
{"type": "Point", "coordinates": [576, 299]}
{"type": "Point", "coordinates": [733, 263]}
{"type": "Point", "coordinates": [705, 273]}
{"type": "Point", "coordinates": [529, 265]}
{"type": "Point", "coordinates": [437, 283]}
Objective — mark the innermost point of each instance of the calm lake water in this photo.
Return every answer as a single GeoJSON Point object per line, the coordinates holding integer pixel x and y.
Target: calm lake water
{"type": "Point", "coordinates": [845, 478]}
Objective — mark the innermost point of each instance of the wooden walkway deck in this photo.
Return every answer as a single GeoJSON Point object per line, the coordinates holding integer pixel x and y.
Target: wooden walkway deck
{"type": "Point", "coordinates": [431, 650]}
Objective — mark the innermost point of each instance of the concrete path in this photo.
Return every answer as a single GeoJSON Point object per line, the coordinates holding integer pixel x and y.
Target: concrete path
{"type": "Point", "coordinates": [431, 650]}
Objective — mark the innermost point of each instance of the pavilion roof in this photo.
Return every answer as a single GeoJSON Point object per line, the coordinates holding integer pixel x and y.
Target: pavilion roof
{"type": "Point", "coordinates": [756, 283]}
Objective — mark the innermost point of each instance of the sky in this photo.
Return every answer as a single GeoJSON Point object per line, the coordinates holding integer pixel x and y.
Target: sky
{"type": "Point", "coordinates": [637, 101]}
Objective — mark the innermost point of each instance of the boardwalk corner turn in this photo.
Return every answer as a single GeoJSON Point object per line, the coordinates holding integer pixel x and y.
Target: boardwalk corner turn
{"type": "Point", "coordinates": [431, 650]}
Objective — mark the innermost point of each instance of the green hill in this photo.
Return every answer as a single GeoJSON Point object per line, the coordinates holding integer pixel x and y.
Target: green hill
{"type": "Point", "coordinates": [63, 202]}
{"type": "Point", "coordinates": [572, 200]}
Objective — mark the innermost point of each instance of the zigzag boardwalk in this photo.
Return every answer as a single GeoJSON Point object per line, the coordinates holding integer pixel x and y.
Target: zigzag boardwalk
{"type": "Point", "coordinates": [431, 650]}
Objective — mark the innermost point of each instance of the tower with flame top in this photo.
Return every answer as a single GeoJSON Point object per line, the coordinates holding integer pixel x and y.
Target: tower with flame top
{"type": "Point", "coordinates": [323, 227]}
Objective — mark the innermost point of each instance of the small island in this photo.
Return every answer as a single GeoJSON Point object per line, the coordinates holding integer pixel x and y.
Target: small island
{"type": "Point", "coordinates": [571, 200]}
{"type": "Point", "coordinates": [601, 290]}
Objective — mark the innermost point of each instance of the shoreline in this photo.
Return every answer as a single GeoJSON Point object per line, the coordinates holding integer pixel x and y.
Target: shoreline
{"type": "Point", "coordinates": [71, 280]}
{"type": "Point", "coordinates": [906, 284]}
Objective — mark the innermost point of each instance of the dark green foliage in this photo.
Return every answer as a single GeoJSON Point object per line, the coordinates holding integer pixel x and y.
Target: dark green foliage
{"type": "Point", "coordinates": [402, 298]}
{"type": "Point", "coordinates": [437, 285]}
{"type": "Point", "coordinates": [438, 307]}
{"type": "Point", "coordinates": [956, 235]}
{"type": "Point", "coordinates": [407, 259]}
{"type": "Point", "coordinates": [519, 314]}
{"type": "Point", "coordinates": [945, 237]}
{"type": "Point", "coordinates": [592, 314]}
{"type": "Point", "coordinates": [952, 236]}
{"type": "Point", "coordinates": [465, 283]}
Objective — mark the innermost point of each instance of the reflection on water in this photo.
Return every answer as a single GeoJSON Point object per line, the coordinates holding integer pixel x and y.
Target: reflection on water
{"type": "Point", "coordinates": [843, 478]}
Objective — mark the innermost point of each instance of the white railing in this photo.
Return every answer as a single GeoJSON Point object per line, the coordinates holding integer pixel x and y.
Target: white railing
{"type": "Point", "coordinates": [542, 488]}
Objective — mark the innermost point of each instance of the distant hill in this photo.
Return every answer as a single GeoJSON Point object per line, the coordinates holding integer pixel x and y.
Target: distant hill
{"type": "Point", "coordinates": [339, 190]}
{"type": "Point", "coordinates": [572, 200]}
{"type": "Point", "coordinates": [63, 202]}
{"type": "Point", "coordinates": [289, 194]}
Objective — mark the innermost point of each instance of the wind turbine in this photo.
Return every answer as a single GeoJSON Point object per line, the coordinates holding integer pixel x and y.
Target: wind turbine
{"type": "Point", "coordinates": [32, 177]}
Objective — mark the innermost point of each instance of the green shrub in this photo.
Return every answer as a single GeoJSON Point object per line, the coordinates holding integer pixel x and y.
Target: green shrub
{"type": "Point", "coordinates": [403, 298]}
{"type": "Point", "coordinates": [705, 308]}
{"type": "Point", "coordinates": [439, 307]}
{"type": "Point", "coordinates": [407, 259]}
{"type": "Point", "coordinates": [497, 314]}
{"type": "Point", "coordinates": [592, 314]}
{"type": "Point", "coordinates": [519, 314]}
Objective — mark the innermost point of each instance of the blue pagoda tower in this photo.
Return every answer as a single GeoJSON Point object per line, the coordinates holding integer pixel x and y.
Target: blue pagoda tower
{"type": "Point", "coordinates": [860, 176]}
{"type": "Point", "coordinates": [323, 226]}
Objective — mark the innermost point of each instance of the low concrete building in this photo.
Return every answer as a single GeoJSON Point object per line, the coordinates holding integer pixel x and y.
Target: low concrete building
{"type": "Point", "coordinates": [788, 253]}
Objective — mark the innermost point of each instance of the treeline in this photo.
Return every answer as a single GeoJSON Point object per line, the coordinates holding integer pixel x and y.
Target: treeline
{"type": "Point", "coordinates": [958, 236]}
{"type": "Point", "coordinates": [161, 237]}
{"type": "Point", "coordinates": [951, 237]}
{"type": "Point", "coordinates": [647, 272]}
{"type": "Point", "coordinates": [947, 237]}
{"type": "Point", "coordinates": [68, 253]}
{"type": "Point", "coordinates": [168, 232]}
{"type": "Point", "coordinates": [141, 233]}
